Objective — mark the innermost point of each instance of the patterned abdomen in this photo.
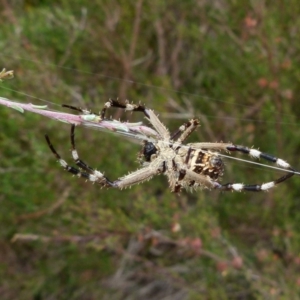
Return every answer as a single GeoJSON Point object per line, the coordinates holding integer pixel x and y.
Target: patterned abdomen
{"type": "Point", "coordinates": [206, 163]}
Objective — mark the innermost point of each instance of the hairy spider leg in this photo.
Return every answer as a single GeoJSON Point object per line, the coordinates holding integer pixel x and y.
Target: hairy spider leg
{"type": "Point", "coordinates": [187, 174]}
{"type": "Point", "coordinates": [182, 172]}
{"type": "Point", "coordinates": [185, 130]}
{"type": "Point", "coordinates": [92, 175]}
{"type": "Point", "coordinates": [110, 103]}
{"type": "Point", "coordinates": [127, 106]}
{"type": "Point", "coordinates": [150, 115]}
{"type": "Point", "coordinates": [135, 177]}
{"type": "Point", "coordinates": [177, 187]}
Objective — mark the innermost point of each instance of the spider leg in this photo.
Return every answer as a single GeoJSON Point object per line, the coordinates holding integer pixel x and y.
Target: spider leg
{"type": "Point", "coordinates": [253, 187]}
{"type": "Point", "coordinates": [90, 174]}
{"type": "Point", "coordinates": [64, 164]}
{"type": "Point", "coordinates": [136, 177]}
{"type": "Point", "coordinates": [150, 115]}
{"type": "Point", "coordinates": [258, 154]}
{"type": "Point", "coordinates": [202, 179]}
{"type": "Point", "coordinates": [254, 153]}
{"type": "Point", "coordinates": [185, 130]}
{"type": "Point", "coordinates": [186, 175]}
{"type": "Point", "coordinates": [110, 103]}
{"type": "Point", "coordinates": [158, 125]}
{"type": "Point", "coordinates": [211, 146]}
{"type": "Point", "coordinates": [94, 174]}
{"type": "Point", "coordinates": [127, 106]}
{"type": "Point", "coordinates": [75, 155]}
{"type": "Point", "coordinates": [176, 188]}
{"type": "Point", "coordinates": [207, 182]}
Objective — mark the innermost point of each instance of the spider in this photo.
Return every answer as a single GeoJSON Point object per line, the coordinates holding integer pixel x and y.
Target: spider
{"type": "Point", "coordinates": [193, 165]}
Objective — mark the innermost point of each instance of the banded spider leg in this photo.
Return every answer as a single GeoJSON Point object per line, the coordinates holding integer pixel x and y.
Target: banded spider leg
{"type": "Point", "coordinates": [93, 175]}
{"type": "Point", "coordinates": [179, 136]}
{"type": "Point", "coordinates": [88, 172]}
{"type": "Point", "coordinates": [253, 153]}
{"type": "Point", "coordinates": [111, 103]}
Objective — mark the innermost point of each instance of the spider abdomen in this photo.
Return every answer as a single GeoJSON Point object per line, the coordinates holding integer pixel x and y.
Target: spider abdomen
{"type": "Point", "coordinates": [206, 163]}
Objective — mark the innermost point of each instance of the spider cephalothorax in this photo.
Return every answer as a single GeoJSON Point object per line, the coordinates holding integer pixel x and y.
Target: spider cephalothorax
{"type": "Point", "coordinates": [194, 165]}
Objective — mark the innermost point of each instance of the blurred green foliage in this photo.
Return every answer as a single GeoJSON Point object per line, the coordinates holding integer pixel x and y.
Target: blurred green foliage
{"type": "Point", "coordinates": [233, 64]}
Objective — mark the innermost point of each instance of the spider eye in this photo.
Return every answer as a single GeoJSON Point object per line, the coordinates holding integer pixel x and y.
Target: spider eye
{"type": "Point", "coordinates": [149, 150]}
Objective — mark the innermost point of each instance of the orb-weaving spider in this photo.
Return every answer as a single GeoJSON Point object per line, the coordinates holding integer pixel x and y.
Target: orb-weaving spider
{"type": "Point", "coordinates": [194, 165]}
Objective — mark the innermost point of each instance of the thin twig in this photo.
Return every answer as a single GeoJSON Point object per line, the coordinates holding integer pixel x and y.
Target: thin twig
{"type": "Point", "coordinates": [50, 210]}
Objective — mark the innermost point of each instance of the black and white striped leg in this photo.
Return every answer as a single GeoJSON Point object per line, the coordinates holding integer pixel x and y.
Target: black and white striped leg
{"type": "Point", "coordinates": [111, 103]}
{"type": "Point", "coordinates": [88, 173]}
{"type": "Point", "coordinates": [185, 130]}
{"type": "Point", "coordinates": [95, 176]}
{"type": "Point", "coordinates": [238, 187]}
{"type": "Point", "coordinates": [64, 164]}
{"type": "Point", "coordinates": [257, 187]}
{"type": "Point", "coordinates": [258, 154]}
{"type": "Point", "coordinates": [75, 155]}
{"type": "Point", "coordinates": [127, 106]}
